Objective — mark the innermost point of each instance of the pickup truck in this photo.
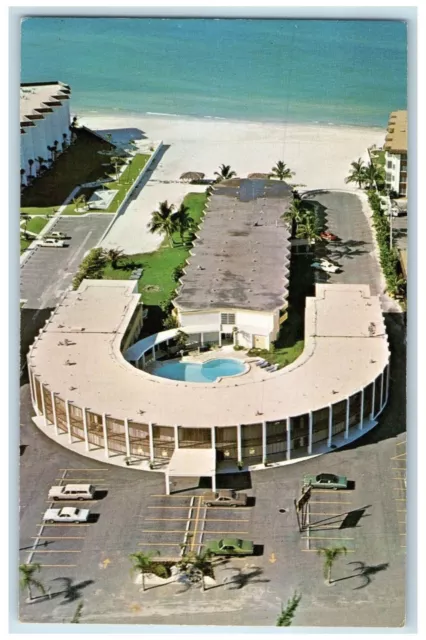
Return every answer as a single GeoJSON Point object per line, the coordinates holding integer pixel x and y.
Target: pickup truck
{"type": "Point", "coordinates": [72, 492]}
{"type": "Point", "coordinates": [225, 498]}
{"type": "Point", "coordinates": [67, 514]}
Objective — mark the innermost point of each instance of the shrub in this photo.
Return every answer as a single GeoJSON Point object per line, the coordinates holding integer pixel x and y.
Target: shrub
{"type": "Point", "coordinates": [91, 267]}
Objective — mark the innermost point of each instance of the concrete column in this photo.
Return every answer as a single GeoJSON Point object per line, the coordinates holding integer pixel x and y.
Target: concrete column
{"type": "Point", "coordinates": [151, 442]}
{"type": "Point", "coordinates": [30, 377]}
{"type": "Point", "coordinates": [220, 338]}
{"type": "Point", "coordinates": [127, 436]}
{"type": "Point", "coordinates": [387, 383]}
{"type": "Point", "coordinates": [36, 407]}
{"type": "Point", "coordinates": [264, 441]}
{"type": "Point", "coordinates": [202, 339]}
{"type": "Point", "coordinates": [86, 435]}
{"type": "Point", "coordinates": [373, 398]}
{"type": "Point", "coordinates": [104, 427]}
{"type": "Point", "coordinates": [239, 444]}
{"type": "Point", "coordinates": [67, 413]}
{"type": "Point", "coordinates": [361, 422]}
{"type": "Point", "coordinates": [137, 363]}
{"type": "Point", "coordinates": [381, 390]}
{"type": "Point", "coordinates": [213, 438]}
{"type": "Point", "coordinates": [176, 428]}
{"type": "Point", "coordinates": [288, 426]}
{"type": "Point", "coordinates": [153, 352]}
{"type": "Point", "coordinates": [55, 420]}
{"type": "Point", "coordinates": [310, 432]}
{"type": "Point", "coordinates": [347, 419]}
{"type": "Point", "coordinates": [43, 405]}
{"type": "Point", "coordinates": [143, 360]}
{"type": "Point", "coordinates": [167, 484]}
{"type": "Point", "coordinates": [214, 482]}
{"type": "Point", "coordinates": [330, 424]}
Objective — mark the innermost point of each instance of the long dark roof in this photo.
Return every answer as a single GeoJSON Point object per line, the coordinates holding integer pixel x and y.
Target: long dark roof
{"type": "Point", "coordinates": [241, 254]}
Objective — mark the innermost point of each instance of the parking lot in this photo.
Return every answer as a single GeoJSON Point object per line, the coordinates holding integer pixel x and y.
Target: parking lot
{"type": "Point", "coordinates": [179, 524]}
{"type": "Point", "coordinates": [330, 520]}
{"type": "Point", "coordinates": [399, 481]}
{"type": "Point", "coordinates": [49, 271]}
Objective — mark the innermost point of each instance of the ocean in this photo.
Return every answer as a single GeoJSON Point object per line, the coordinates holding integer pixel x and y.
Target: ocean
{"type": "Point", "coordinates": [307, 71]}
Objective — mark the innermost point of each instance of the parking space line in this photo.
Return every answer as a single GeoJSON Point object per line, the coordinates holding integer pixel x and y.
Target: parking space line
{"type": "Point", "coordinates": [70, 480]}
{"type": "Point", "coordinates": [197, 519]}
{"type": "Point", "coordinates": [399, 456]}
{"type": "Point", "coordinates": [324, 538]}
{"type": "Point", "coordinates": [328, 491]}
{"type": "Point", "coordinates": [57, 565]}
{"type": "Point", "coordinates": [85, 502]}
{"type": "Point", "coordinates": [57, 537]}
{"type": "Point", "coordinates": [158, 544]}
{"type": "Point", "coordinates": [191, 519]}
{"type": "Point", "coordinates": [164, 495]}
{"type": "Point", "coordinates": [57, 551]}
{"type": "Point", "coordinates": [68, 524]}
{"type": "Point", "coordinates": [325, 514]}
{"type": "Point", "coordinates": [84, 469]}
{"type": "Point", "coordinates": [400, 443]}
{"type": "Point", "coordinates": [183, 531]}
{"type": "Point", "coordinates": [330, 502]}
{"type": "Point", "coordinates": [316, 550]}
{"type": "Point", "coordinates": [186, 507]}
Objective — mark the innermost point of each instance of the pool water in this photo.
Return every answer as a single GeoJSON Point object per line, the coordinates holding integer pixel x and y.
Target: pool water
{"type": "Point", "coordinates": [205, 372]}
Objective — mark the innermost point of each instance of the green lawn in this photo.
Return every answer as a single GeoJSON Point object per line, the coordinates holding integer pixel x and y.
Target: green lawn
{"type": "Point", "coordinates": [157, 283]}
{"type": "Point", "coordinates": [379, 157]}
{"type": "Point", "coordinates": [126, 180]}
{"type": "Point", "coordinates": [25, 244]}
{"type": "Point", "coordinates": [35, 225]}
{"type": "Point", "coordinates": [80, 163]}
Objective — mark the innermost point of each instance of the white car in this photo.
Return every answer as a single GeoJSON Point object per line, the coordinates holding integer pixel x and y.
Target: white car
{"type": "Point", "coordinates": [325, 265]}
{"type": "Point", "coordinates": [67, 514]}
{"type": "Point", "coordinates": [51, 242]}
{"type": "Point", "coordinates": [58, 234]}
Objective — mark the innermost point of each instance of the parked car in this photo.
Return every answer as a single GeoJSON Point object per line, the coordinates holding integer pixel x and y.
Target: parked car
{"type": "Point", "coordinates": [230, 547]}
{"type": "Point", "coordinates": [327, 235]}
{"type": "Point", "coordinates": [325, 265]}
{"type": "Point", "coordinates": [225, 497]}
{"type": "Point", "coordinates": [325, 481]}
{"type": "Point", "coordinates": [51, 242]}
{"type": "Point", "coordinates": [67, 514]}
{"type": "Point", "coordinates": [72, 492]}
{"type": "Point", "coordinates": [58, 234]}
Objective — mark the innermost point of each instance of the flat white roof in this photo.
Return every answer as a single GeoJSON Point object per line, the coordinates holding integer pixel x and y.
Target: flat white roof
{"type": "Point", "coordinates": [192, 463]}
{"type": "Point", "coordinates": [346, 347]}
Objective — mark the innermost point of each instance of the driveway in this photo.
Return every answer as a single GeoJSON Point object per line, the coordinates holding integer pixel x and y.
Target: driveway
{"type": "Point", "coordinates": [342, 214]}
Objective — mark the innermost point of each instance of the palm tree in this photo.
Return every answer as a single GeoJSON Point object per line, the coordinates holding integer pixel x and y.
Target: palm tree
{"type": "Point", "coordinates": [295, 214]}
{"type": "Point", "coordinates": [50, 150]}
{"type": "Point", "coordinates": [281, 171]}
{"type": "Point", "coordinates": [373, 175]}
{"type": "Point", "coordinates": [55, 149]}
{"type": "Point", "coordinates": [330, 554]}
{"type": "Point", "coordinates": [308, 229]}
{"type": "Point", "coordinates": [27, 579]}
{"type": "Point", "coordinates": [40, 161]}
{"type": "Point", "coordinates": [286, 616]}
{"type": "Point", "coordinates": [113, 256]}
{"type": "Point", "coordinates": [117, 161]}
{"type": "Point", "coordinates": [23, 172]}
{"type": "Point", "coordinates": [181, 338]}
{"type": "Point", "coordinates": [224, 173]}
{"type": "Point", "coordinates": [64, 141]}
{"type": "Point", "coordinates": [143, 563]}
{"type": "Point", "coordinates": [183, 220]}
{"type": "Point", "coordinates": [195, 566]}
{"type": "Point", "coordinates": [79, 202]}
{"type": "Point", "coordinates": [357, 173]}
{"type": "Point", "coordinates": [163, 221]}
{"type": "Point", "coordinates": [31, 162]}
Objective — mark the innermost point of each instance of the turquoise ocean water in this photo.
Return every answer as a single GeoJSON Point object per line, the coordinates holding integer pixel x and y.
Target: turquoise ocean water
{"type": "Point", "coordinates": [340, 72]}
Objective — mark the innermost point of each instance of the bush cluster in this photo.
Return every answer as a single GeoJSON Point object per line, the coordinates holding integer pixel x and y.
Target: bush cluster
{"type": "Point", "coordinates": [91, 267]}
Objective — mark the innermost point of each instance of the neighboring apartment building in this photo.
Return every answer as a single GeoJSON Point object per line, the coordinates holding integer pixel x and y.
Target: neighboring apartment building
{"type": "Point", "coordinates": [236, 282]}
{"type": "Point", "coordinates": [44, 119]}
{"type": "Point", "coordinates": [396, 153]}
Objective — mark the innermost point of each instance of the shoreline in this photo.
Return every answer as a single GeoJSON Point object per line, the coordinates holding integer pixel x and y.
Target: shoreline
{"type": "Point", "coordinates": [150, 115]}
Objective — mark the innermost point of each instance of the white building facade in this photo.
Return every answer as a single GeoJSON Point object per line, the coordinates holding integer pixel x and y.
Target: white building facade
{"type": "Point", "coordinates": [44, 119]}
{"type": "Point", "coordinates": [396, 153]}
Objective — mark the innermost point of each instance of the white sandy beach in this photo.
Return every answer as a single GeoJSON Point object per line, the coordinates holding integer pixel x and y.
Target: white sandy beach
{"type": "Point", "coordinates": [319, 155]}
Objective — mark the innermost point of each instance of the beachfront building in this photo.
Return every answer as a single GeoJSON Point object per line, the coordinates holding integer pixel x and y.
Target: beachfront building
{"type": "Point", "coordinates": [45, 120]}
{"type": "Point", "coordinates": [235, 284]}
{"type": "Point", "coordinates": [91, 393]}
{"type": "Point", "coordinates": [396, 153]}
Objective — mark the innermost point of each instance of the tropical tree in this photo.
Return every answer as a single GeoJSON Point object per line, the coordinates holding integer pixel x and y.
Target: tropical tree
{"type": "Point", "coordinates": [281, 171]}
{"type": "Point", "coordinates": [143, 563]}
{"type": "Point", "coordinates": [286, 616]}
{"type": "Point", "coordinates": [183, 220]}
{"type": "Point", "coordinates": [295, 214]}
{"type": "Point", "coordinates": [373, 175]}
{"type": "Point", "coordinates": [79, 202]}
{"type": "Point", "coordinates": [113, 255]}
{"type": "Point", "coordinates": [195, 566]}
{"type": "Point", "coordinates": [64, 141]}
{"type": "Point", "coordinates": [308, 228]}
{"type": "Point", "coordinates": [117, 161]}
{"type": "Point", "coordinates": [224, 173]}
{"type": "Point", "coordinates": [51, 151]}
{"type": "Point", "coordinates": [30, 163]}
{"type": "Point", "coordinates": [396, 285]}
{"type": "Point", "coordinates": [22, 172]}
{"type": "Point", "coordinates": [163, 221]}
{"type": "Point", "coordinates": [330, 554]}
{"type": "Point", "coordinates": [27, 579]}
{"type": "Point", "coordinates": [357, 173]}
{"type": "Point", "coordinates": [181, 338]}
{"type": "Point", "coordinates": [40, 161]}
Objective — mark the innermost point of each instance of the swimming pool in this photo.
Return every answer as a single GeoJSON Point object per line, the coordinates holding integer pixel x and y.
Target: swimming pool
{"type": "Point", "coordinates": [206, 372]}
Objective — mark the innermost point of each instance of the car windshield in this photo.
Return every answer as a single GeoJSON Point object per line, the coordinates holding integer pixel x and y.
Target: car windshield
{"type": "Point", "coordinates": [326, 477]}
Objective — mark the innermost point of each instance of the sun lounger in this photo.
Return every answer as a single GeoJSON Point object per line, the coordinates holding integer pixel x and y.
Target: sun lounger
{"type": "Point", "coordinates": [260, 362]}
{"type": "Point", "coordinates": [265, 364]}
{"type": "Point", "coordinates": [271, 369]}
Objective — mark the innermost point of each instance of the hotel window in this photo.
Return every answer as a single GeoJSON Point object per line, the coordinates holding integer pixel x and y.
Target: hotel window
{"type": "Point", "coordinates": [227, 318]}
{"type": "Point", "coordinates": [389, 165]}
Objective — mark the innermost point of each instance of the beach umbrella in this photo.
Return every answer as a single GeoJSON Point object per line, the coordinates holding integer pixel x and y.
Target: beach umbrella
{"type": "Point", "coordinates": [192, 175]}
